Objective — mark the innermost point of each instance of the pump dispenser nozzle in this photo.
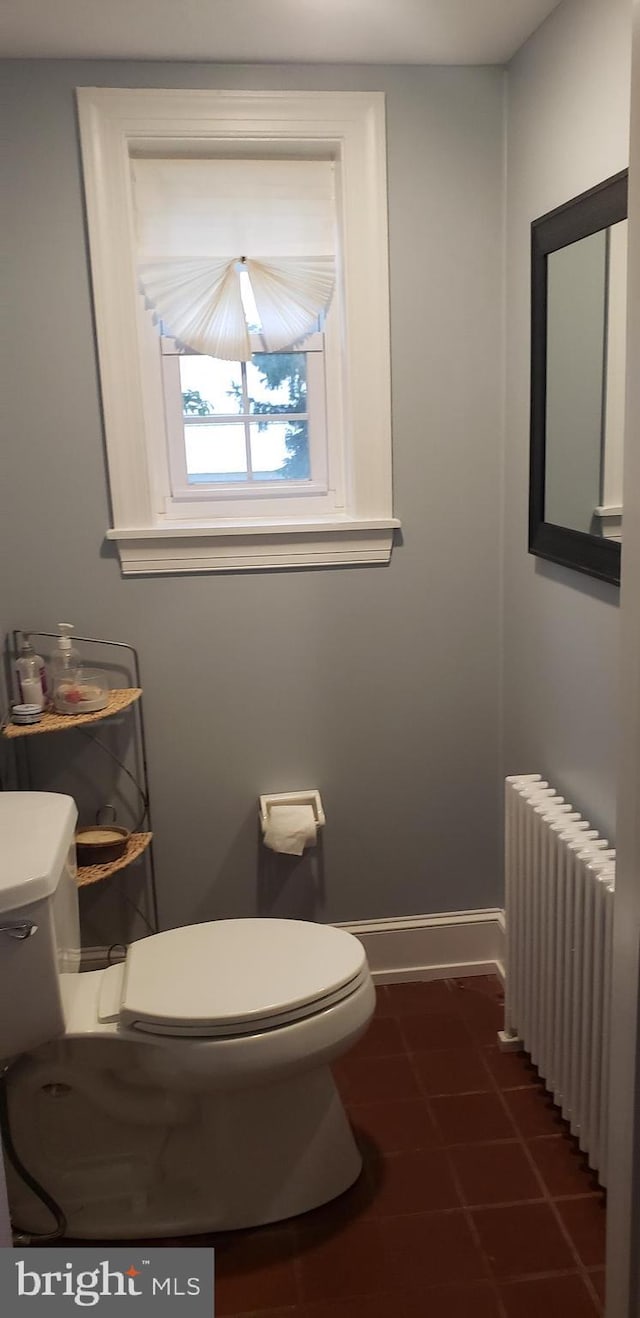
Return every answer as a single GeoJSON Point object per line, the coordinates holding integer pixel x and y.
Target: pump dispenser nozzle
{"type": "Point", "coordinates": [64, 640]}
{"type": "Point", "coordinates": [64, 659]}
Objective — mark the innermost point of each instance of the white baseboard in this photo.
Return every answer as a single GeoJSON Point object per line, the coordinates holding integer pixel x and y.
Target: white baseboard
{"type": "Point", "coordinates": [445, 946]}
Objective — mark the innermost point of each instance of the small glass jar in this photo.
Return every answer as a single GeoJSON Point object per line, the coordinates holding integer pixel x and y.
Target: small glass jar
{"type": "Point", "coordinates": [25, 714]}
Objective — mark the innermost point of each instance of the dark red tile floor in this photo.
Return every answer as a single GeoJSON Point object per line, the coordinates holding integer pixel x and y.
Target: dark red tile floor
{"type": "Point", "coordinates": [474, 1201]}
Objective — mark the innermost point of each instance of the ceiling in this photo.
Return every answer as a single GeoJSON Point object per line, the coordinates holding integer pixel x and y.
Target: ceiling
{"type": "Point", "coordinates": [282, 31]}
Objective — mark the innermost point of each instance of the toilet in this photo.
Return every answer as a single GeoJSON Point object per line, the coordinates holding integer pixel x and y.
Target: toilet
{"type": "Point", "coordinates": [185, 1089]}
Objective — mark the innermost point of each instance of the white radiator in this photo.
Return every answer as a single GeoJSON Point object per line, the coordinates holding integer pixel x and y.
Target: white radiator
{"type": "Point", "coordinates": [559, 912]}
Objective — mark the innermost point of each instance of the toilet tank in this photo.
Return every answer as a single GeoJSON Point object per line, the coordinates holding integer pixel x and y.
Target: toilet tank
{"type": "Point", "coordinates": [39, 922]}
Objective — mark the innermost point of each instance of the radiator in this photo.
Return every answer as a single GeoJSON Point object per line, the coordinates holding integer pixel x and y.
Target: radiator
{"type": "Point", "coordinates": [560, 878]}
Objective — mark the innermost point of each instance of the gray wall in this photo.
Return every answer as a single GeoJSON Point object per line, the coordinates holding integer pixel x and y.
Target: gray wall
{"type": "Point", "coordinates": [377, 685]}
{"type": "Point", "coordinates": [568, 113]}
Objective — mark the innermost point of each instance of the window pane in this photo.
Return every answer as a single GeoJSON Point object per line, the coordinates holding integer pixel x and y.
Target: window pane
{"type": "Point", "coordinates": [280, 450]}
{"type": "Point", "coordinates": [210, 386]}
{"type": "Point", "coordinates": [252, 315]}
{"type": "Point", "coordinates": [215, 453]}
{"type": "Point", "coordinates": [277, 382]}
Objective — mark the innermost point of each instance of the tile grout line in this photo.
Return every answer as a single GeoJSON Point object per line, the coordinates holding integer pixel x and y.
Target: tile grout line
{"type": "Point", "coordinates": [581, 1267]}
{"type": "Point", "coordinates": [546, 1195]}
{"type": "Point", "coordinates": [298, 1311]}
{"type": "Point", "coordinates": [480, 1049]}
{"type": "Point", "coordinates": [468, 1213]}
{"type": "Point", "coordinates": [475, 1236]}
{"type": "Point", "coordinates": [462, 1206]}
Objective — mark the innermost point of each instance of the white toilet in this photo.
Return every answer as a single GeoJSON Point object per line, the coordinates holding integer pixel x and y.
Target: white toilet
{"type": "Point", "coordinates": [186, 1089]}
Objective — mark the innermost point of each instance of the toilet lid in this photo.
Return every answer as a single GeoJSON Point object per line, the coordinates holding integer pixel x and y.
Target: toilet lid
{"type": "Point", "coordinates": [238, 976]}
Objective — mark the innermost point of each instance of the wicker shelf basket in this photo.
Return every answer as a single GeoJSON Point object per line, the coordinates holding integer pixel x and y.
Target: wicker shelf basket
{"type": "Point", "coordinates": [51, 722]}
{"type": "Point", "coordinates": [136, 845]}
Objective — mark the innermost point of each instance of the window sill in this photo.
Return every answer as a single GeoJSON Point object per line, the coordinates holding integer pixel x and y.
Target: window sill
{"type": "Point", "coordinates": [231, 546]}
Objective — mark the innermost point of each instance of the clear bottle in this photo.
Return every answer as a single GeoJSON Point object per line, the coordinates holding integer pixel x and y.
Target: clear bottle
{"type": "Point", "coordinates": [76, 690]}
{"type": "Point", "coordinates": [66, 667]}
{"type": "Point", "coordinates": [32, 675]}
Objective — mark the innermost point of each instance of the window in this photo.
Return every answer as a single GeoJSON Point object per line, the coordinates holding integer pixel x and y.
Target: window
{"type": "Point", "coordinates": [241, 430]}
{"type": "Point", "coordinates": [240, 278]}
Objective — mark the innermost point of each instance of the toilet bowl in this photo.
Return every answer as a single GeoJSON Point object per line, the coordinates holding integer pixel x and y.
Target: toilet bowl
{"type": "Point", "coordinates": [186, 1089]}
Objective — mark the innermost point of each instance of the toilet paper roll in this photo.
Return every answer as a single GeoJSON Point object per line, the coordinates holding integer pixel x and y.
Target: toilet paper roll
{"type": "Point", "coordinates": [290, 828]}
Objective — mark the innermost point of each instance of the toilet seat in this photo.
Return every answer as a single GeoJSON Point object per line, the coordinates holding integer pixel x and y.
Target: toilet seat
{"type": "Point", "coordinates": [232, 977]}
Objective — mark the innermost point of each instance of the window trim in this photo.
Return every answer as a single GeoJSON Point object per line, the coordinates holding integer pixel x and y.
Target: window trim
{"type": "Point", "coordinates": [116, 123]}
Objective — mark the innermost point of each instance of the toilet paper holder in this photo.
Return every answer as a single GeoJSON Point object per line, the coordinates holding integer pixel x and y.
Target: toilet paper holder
{"type": "Point", "coordinates": [311, 798]}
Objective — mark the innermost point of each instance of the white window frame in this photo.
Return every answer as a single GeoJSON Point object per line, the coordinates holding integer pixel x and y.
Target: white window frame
{"type": "Point", "coordinates": [348, 127]}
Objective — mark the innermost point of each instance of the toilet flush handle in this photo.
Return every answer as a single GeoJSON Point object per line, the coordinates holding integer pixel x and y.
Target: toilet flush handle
{"type": "Point", "coordinates": [19, 930]}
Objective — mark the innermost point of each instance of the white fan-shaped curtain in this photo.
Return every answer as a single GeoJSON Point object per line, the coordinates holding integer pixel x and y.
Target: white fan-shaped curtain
{"type": "Point", "coordinates": [261, 216]}
{"type": "Point", "coordinates": [200, 304]}
{"type": "Point", "coordinates": [290, 295]}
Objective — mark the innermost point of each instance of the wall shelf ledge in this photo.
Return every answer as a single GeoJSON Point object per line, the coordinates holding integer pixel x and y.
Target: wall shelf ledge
{"type": "Point", "coordinates": [52, 722]}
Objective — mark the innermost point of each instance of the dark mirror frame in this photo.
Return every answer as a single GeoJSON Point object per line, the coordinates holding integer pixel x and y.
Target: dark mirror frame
{"type": "Point", "coordinates": [592, 211]}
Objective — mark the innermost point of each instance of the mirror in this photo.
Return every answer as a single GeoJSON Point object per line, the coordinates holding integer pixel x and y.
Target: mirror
{"type": "Point", "coordinates": [578, 313]}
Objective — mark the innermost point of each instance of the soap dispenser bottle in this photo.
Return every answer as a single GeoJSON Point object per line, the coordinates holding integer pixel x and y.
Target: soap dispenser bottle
{"type": "Point", "coordinates": [66, 667]}
{"type": "Point", "coordinates": [75, 690]}
{"type": "Point", "coordinates": [32, 675]}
